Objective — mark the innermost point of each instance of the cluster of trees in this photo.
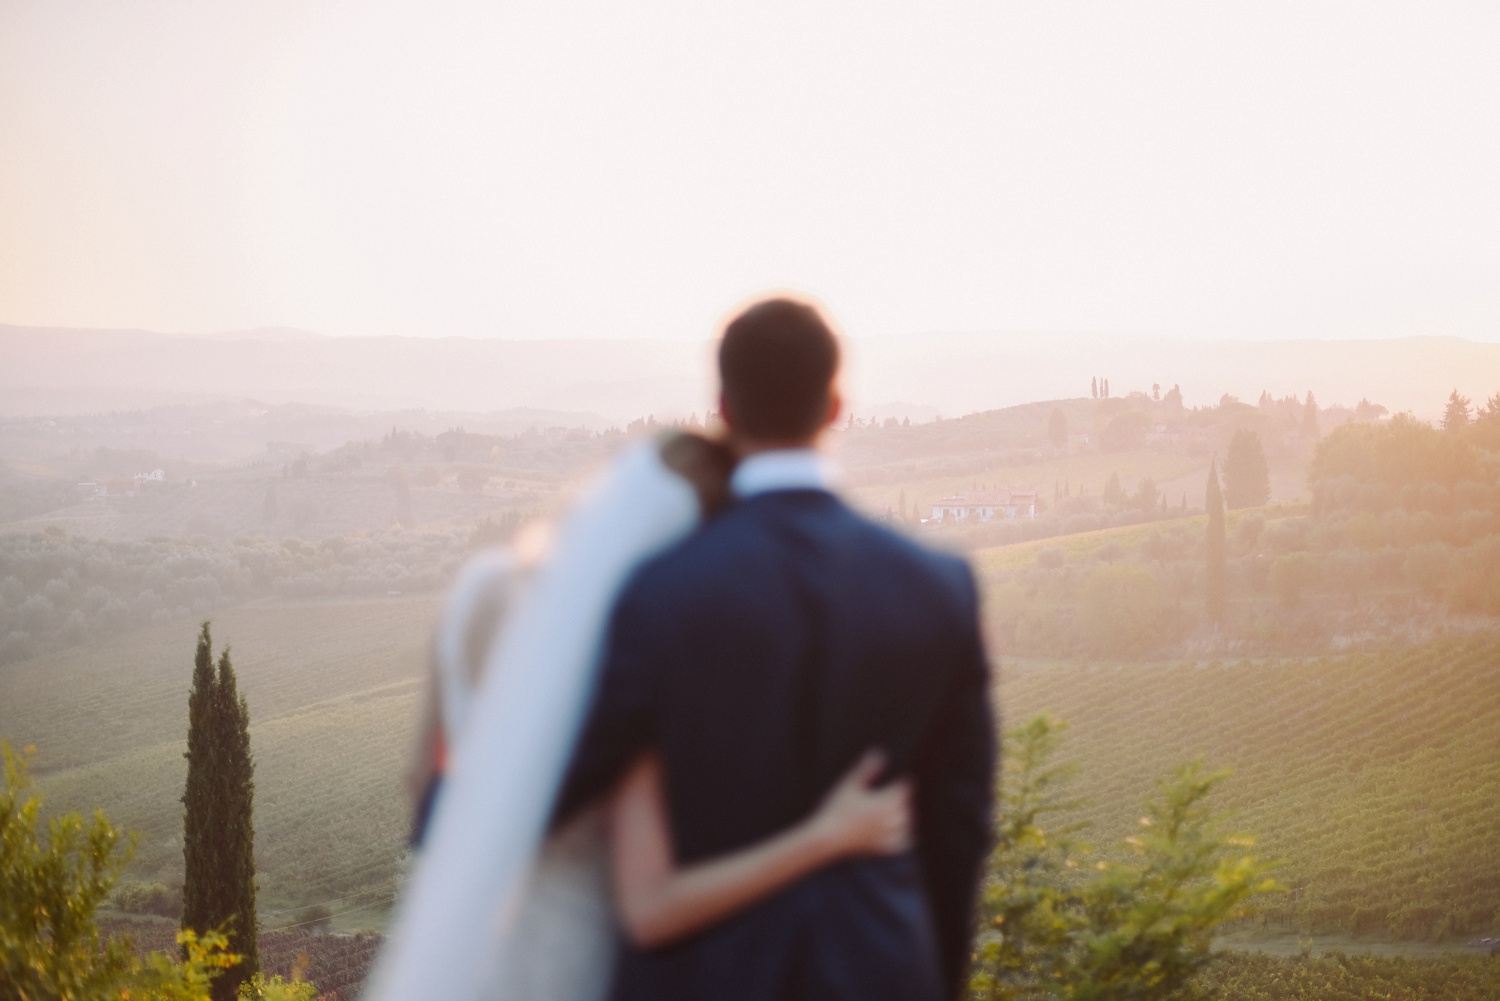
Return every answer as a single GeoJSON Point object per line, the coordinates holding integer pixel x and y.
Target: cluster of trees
{"type": "Point", "coordinates": [57, 589]}
{"type": "Point", "coordinates": [1407, 463]}
{"type": "Point", "coordinates": [1301, 416]}
{"type": "Point", "coordinates": [873, 423]}
{"type": "Point", "coordinates": [1401, 510]}
{"type": "Point", "coordinates": [1460, 413]}
{"type": "Point", "coordinates": [1403, 486]}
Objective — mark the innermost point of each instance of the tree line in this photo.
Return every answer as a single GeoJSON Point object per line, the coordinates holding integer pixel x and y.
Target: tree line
{"type": "Point", "coordinates": [58, 589]}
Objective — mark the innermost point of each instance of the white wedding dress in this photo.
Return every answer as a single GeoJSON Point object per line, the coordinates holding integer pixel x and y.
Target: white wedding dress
{"type": "Point", "coordinates": [497, 909]}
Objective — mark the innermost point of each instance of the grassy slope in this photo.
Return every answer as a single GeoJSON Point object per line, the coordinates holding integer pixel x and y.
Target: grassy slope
{"type": "Point", "coordinates": [332, 689]}
{"type": "Point", "coordinates": [1079, 546]}
{"type": "Point", "coordinates": [1076, 547]}
{"type": "Point", "coordinates": [1375, 777]}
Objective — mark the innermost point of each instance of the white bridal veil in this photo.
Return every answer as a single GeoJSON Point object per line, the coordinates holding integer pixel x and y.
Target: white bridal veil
{"type": "Point", "coordinates": [504, 771]}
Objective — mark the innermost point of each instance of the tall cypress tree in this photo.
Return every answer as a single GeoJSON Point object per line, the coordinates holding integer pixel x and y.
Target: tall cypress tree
{"type": "Point", "coordinates": [198, 799]}
{"type": "Point", "coordinates": [1214, 581]}
{"type": "Point", "coordinates": [1456, 414]}
{"type": "Point", "coordinates": [404, 516]}
{"type": "Point", "coordinates": [218, 822]}
{"type": "Point", "coordinates": [239, 832]}
{"type": "Point", "coordinates": [1310, 428]}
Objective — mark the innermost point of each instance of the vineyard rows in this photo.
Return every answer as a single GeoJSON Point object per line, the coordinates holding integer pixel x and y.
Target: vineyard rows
{"type": "Point", "coordinates": [1375, 777]}
{"type": "Point", "coordinates": [1241, 976]}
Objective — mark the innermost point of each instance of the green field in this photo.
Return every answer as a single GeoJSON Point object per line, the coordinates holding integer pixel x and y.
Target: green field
{"type": "Point", "coordinates": [1375, 777]}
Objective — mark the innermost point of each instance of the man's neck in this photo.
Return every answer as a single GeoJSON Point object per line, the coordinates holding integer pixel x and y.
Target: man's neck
{"type": "Point", "coordinates": [796, 468]}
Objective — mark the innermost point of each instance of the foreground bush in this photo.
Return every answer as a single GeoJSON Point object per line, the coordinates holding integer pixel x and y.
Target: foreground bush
{"type": "Point", "coordinates": [51, 887]}
{"type": "Point", "coordinates": [1060, 922]}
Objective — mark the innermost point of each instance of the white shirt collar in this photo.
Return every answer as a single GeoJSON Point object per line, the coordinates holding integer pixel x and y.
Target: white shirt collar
{"type": "Point", "coordinates": [783, 469]}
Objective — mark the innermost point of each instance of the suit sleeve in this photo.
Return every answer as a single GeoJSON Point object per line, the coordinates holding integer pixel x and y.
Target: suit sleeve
{"type": "Point", "coordinates": [955, 795]}
{"type": "Point", "coordinates": [618, 725]}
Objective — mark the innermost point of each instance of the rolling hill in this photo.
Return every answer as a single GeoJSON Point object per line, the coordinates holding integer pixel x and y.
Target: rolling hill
{"type": "Point", "coordinates": [1374, 776]}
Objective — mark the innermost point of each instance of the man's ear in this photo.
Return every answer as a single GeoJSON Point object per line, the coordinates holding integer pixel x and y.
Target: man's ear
{"type": "Point", "coordinates": [835, 407]}
{"type": "Point", "coordinates": [724, 413]}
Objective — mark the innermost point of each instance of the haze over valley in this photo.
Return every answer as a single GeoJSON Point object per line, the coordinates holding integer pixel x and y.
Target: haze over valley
{"type": "Point", "coordinates": [1177, 324]}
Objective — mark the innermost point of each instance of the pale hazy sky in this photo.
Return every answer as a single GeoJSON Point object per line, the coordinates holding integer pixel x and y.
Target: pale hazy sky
{"type": "Point", "coordinates": [632, 169]}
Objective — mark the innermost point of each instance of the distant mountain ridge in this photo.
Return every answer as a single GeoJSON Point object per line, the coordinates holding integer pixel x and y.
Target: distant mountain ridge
{"type": "Point", "coordinates": [62, 371]}
{"type": "Point", "coordinates": [55, 371]}
{"type": "Point", "coordinates": [267, 334]}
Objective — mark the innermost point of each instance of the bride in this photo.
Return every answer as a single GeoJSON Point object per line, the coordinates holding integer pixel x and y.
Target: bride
{"type": "Point", "coordinates": [500, 907]}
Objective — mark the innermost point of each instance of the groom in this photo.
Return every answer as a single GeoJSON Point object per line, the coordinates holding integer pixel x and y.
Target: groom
{"type": "Point", "coordinates": [760, 658]}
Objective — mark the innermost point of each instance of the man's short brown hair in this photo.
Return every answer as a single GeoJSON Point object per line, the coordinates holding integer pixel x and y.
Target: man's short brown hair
{"type": "Point", "coordinates": [776, 367]}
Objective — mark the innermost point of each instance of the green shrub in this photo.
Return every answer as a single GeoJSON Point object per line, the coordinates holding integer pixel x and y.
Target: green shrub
{"type": "Point", "coordinates": [315, 917]}
{"type": "Point", "coordinates": [1059, 922]}
{"type": "Point", "coordinates": [259, 988]}
{"type": "Point", "coordinates": [51, 886]}
{"type": "Point", "coordinates": [148, 898]}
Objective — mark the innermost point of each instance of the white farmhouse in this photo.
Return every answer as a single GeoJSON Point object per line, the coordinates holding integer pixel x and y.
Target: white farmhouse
{"type": "Point", "coordinates": [1006, 504]}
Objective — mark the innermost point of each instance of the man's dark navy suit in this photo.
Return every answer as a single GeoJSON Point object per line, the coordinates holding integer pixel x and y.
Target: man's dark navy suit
{"type": "Point", "coordinates": [760, 658]}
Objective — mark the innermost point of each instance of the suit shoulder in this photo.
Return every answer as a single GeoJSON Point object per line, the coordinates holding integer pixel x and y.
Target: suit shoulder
{"type": "Point", "coordinates": [933, 566]}
{"type": "Point", "coordinates": [698, 554]}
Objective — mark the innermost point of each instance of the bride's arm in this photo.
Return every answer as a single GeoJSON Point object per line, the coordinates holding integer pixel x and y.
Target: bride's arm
{"type": "Point", "coordinates": [660, 902]}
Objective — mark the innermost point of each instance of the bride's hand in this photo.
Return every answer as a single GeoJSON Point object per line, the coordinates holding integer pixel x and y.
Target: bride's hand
{"type": "Point", "coordinates": [855, 818]}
